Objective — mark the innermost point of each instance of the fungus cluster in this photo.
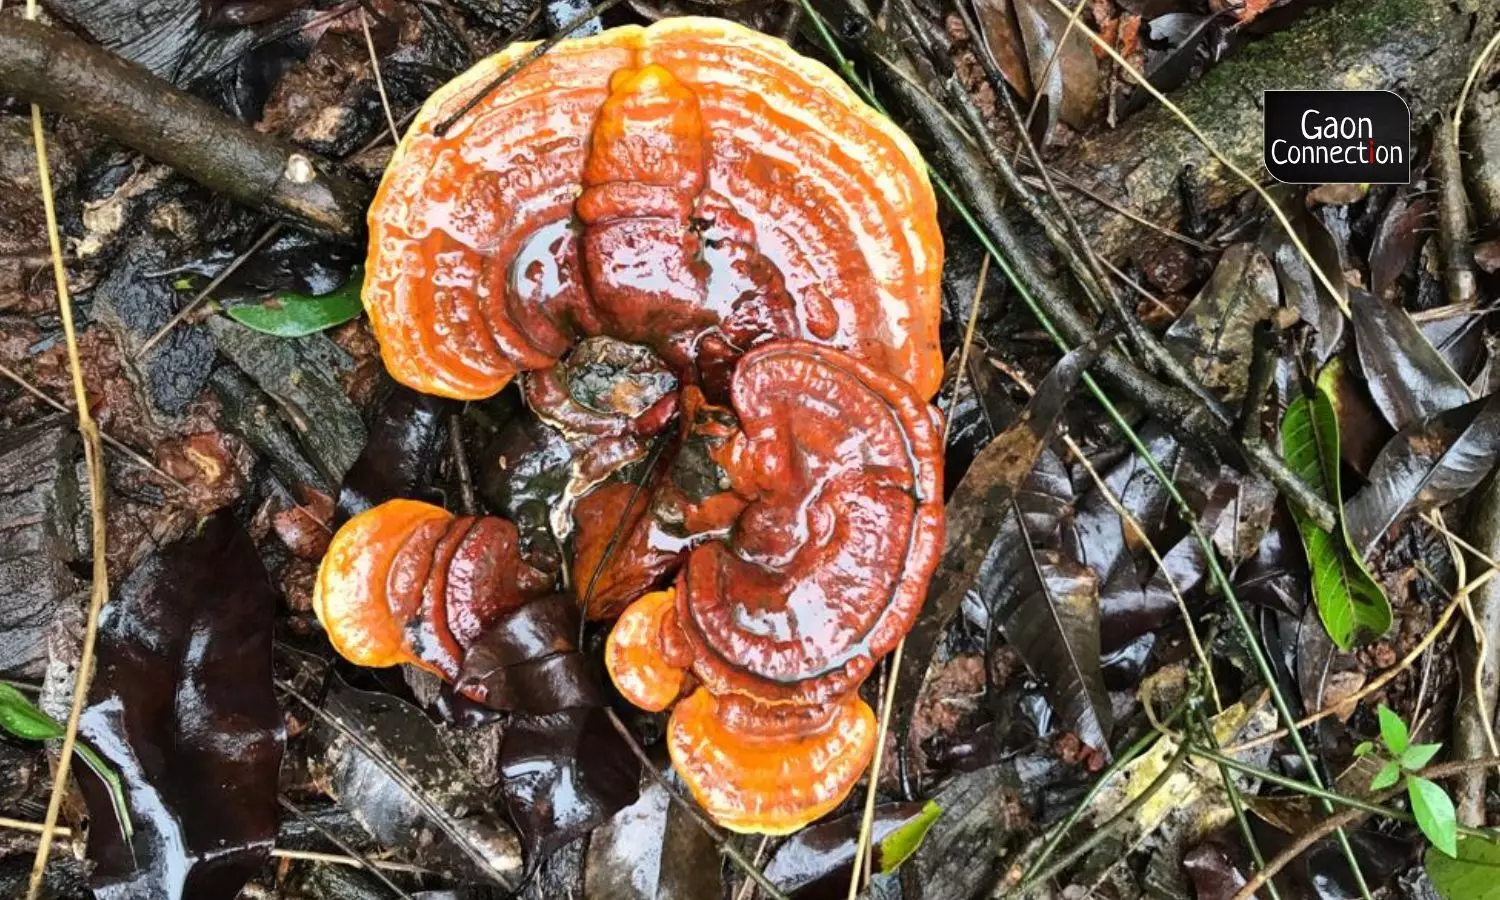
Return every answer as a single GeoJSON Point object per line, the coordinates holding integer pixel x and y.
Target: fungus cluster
{"type": "Point", "coordinates": [688, 242]}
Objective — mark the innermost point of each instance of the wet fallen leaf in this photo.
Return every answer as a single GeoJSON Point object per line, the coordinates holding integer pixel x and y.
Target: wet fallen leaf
{"type": "Point", "coordinates": [1407, 376]}
{"type": "Point", "coordinates": [1050, 615]}
{"type": "Point", "coordinates": [183, 708]}
{"type": "Point", "coordinates": [1214, 874]}
{"type": "Point", "coordinates": [1350, 601]}
{"type": "Point", "coordinates": [815, 862]}
{"type": "Point", "coordinates": [406, 437]}
{"type": "Point", "coordinates": [1302, 290]}
{"type": "Point", "coordinates": [980, 506]}
{"type": "Point", "coordinates": [1070, 84]}
{"type": "Point", "coordinates": [565, 768]}
{"type": "Point", "coordinates": [1424, 466]}
{"type": "Point", "coordinates": [289, 314]}
{"type": "Point", "coordinates": [1193, 797]}
{"type": "Point", "coordinates": [1216, 332]}
{"type": "Point", "coordinates": [1002, 39]}
{"type": "Point", "coordinates": [1402, 226]}
{"type": "Point", "coordinates": [652, 850]}
{"type": "Point", "coordinates": [386, 763]}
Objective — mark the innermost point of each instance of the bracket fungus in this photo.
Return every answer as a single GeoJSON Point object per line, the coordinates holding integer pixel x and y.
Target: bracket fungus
{"type": "Point", "coordinates": [692, 243]}
{"type": "Point", "coordinates": [694, 186]}
{"type": "Point", "coordinates": [408, 582]}
{"type": "Point", "coordinates": [781, 614]}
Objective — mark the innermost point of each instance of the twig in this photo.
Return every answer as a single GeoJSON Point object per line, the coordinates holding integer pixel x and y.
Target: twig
{"type": "Point", "coordinates": [63, 831]}
{"type": "Point", "coordinates": [532, 55]}
{"type": "Point", "coordinates": [1479, 659]}
{"type": "Point", "coordinates": [94, 463]}
{"type": "Point", "coordinates": [213, 285]}
{"type": "Point", "coordinates": [725, 848]}
{"type": "Point", "coordinates": [1357, 809]}
{"type": "Point", "coordinates": [385, 101]}
{"type": "Point", "coordinates": [114, 443]}
{"type": "Point", "coordinates": [338, 842]}
{"type": "Point", "coordinates": [1463, 96]}
{"type": "Point", "coordinates": [1262, 373]}
{"type": "Point", "coordinates": [1453, 220]}
{"type": "Point", "coordinates": [466, 499]}
{"type": "Point", "coordinates": [747, 890]}
{"type": "Point", "coordinates": [126, 102]}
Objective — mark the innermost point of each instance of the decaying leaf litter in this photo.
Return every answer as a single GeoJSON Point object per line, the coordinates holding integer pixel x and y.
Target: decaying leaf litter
{"type": "Point", "coordinates": [1237, 472]}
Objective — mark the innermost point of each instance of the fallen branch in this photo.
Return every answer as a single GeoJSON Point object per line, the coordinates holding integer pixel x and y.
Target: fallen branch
{"type": "Point", "coordinates": [1190, 419]}
{"type": "Point", "coordinates": [1421, 47]}
{"type": "Point", "coordinates": [53, 69]}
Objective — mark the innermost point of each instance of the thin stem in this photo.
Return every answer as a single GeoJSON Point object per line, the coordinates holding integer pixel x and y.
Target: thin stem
{"type": "Point", "coordinates": [94, 465]}
{"type": "Point", "coordinates": [1103, 831]}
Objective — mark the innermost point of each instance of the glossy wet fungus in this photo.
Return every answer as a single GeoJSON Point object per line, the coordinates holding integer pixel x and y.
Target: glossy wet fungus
{"type": "Point", "coordinates": [690, 241]}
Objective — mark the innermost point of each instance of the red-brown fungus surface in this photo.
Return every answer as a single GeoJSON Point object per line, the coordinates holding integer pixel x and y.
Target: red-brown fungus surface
{"type": "Point", "coordinates": [718, 272]}
{"type": "Point", "coordinates": [693, 186]}
{"type": "Point", "coordinates": [409, 582]}
{"type": "Point", "coordinates": [782, 613]}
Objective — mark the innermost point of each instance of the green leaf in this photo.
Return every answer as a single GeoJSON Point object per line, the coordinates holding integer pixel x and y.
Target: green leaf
{"type": "Point", "coordinates": [1471, 874]}
{"type": "Point", "coordinates": [1392, 730]}
{"type": "Point", "coordinates": [1388, 775]}
{"type": "Point", "coordinates": [294, 315]}
{"type": "Point", "coordinates": [1419, 755]}
{"type": "Point", "coordinates": [904, 841]}
{"type": "Point", "coordinates": [1350, 601]}
{"type": "Point", "coordinates": [1363, 749]}
{"type": "Point", "coordinates": [1434, 812]}
{"type": "Point", "coordinates": [20, 717]}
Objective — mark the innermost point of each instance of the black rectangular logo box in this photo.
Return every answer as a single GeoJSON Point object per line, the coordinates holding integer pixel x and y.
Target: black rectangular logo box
{"type": "Point", "coordinates": [1337, 137]}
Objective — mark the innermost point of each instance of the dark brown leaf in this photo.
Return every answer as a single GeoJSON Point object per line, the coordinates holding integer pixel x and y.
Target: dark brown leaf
{"type": "Point", "coordinates": [1002, 39]}
{"type": "Point", "coordinates": [1051, 618]}
{"type": "Point", "coordinates": [1395, 244]}
{"type": "Point", "coordinates": [1070, 84]}
{"type": "Point", "coordinates": [407, 432]}
{"type": "Point", "coordinates": [565, 768]}
{"type": "Point", "coordinates": [980, 506]}
{"type": "Point", "coordinates": [388, 765]}
{"type": "Point", "coordinates": [1408, 378]}
{"type": "Point", "coordinates": [1215, 334]}
{"type": "Point", "coordinates": [1424, 466]}
{"type": "Point", "coordinates": [652, 850]}
{"type": "Point", "coordinates": [184, 710]}
{"type": "Point", "coordinates": [814, 863]}
{"type": "Point", "coordinates": [1301, 288]}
